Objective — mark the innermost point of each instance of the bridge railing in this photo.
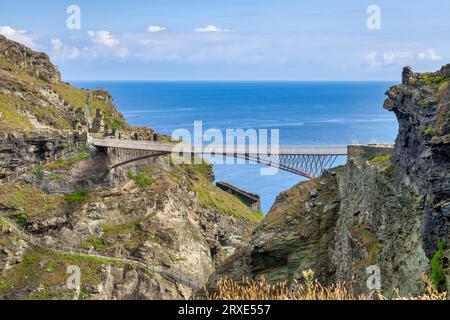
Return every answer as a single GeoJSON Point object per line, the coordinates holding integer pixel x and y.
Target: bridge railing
{"type": "Point", "coordinates": [306, 161]}
{"type": "Point", "coordinates": [221, 149]}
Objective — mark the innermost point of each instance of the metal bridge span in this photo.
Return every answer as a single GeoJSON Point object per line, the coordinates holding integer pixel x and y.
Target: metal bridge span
{"type": "Point", "coordinates": [305, 161]}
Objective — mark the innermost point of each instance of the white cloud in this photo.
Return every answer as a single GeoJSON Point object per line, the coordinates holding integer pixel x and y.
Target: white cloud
{"type": "Point", "coordinates": [57, 44]}
{"type": "Point", "coordinates": [155, 29]}
{"type": "Point", "coordinates": [21, 36]}
{"type": "Point", "coordinates": [396, 57]}
{"type": "Point", "coordinates": [211, 28]}
{"type": "Point", "coordinates": [388, 58]}
{"type": "Point", "coordinates": [123, 52]}
{"type": "Point", "coordinates": [429, 54]}
{"type": "Point", "coordinates": [103, 38]}
{"type": "Point", "coordinates": [107, 45]}
{"type": "Point", "coordinates": [61, 51]}
{"type": "Point", "coordinates": [196, 48]}
{"type": "Point", "coordinates": [371, 56]}
{"type": "Point", "coordinates": [399, 58]}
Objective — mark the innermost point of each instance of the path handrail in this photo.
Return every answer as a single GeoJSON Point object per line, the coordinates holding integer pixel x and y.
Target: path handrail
{"type": "Point", "coordinates": [27, 168]}
{"type": "Point", "coordinates": [173, 275]}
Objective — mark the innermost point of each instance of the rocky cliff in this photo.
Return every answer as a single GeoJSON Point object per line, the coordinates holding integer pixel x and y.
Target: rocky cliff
{"type": "Point", "coordinates": [153, 211]}
{"type": "Point", "coordinates": [421, 104]}
{"type": "Point", "coordinates": [33, 97]}
{"type": "Point", "coordinates": [388, 206]}
{"type": "Point", "coordinates": [20, 58]}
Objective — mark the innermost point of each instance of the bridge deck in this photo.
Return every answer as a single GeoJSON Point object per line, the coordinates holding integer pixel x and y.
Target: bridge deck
{"type": "Point", "coordinates": [169, 147]}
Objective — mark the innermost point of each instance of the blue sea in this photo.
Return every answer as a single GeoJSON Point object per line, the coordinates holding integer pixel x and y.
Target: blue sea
{"type": "Point", "coordinates": [306, 113]}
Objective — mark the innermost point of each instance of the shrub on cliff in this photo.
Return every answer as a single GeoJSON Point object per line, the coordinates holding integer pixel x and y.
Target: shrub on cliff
{"type": "Point", "coordinates": [141, 179]}
{"type": "Point", "coordinates": [78, 196]}
{"type": "Point", "coordinates": [437, 269]}
{"type": "Point", "coordinates": [22, 219]}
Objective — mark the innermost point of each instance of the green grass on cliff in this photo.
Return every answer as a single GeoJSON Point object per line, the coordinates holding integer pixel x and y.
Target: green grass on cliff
{"type": "Point", "coordinates": [110, 115]}
{"type": "Point", "coordinates": [118, 228]}
{"type": "Point", "coordinates": [77, 197]}
{"type": "Point", "coordinates": [10, 118]}
{"type": "Point", "coordinates": [29, 87]}
{"type": "Point", "coordinates": [5, 65]}
{"type": "Point", "coordinates": [213, 198]}
{"type": "Point", "coordinates": [96, 243]}
{"type": "Point", "coordinates": [63, 164]}
{"type": "Point", "coordinates": [142, 179]}
{"type": "Point", "coordinates": [380, 159]}
{"type": "Point", "coordinates": [23, 199]}
{"type": "Point", "coordinates": [437, 268]}
{"type": "Point", "coordinates": [368, 240]}
{"type": "Point", "coordinates": [73, 96]}
{"type": "Point", "coordinates": [19, 81]}
{"type": "Point", "coordinates": [434, 80]}
{"type": "Point", "coordinates": [210, 196]}
{"type": "Point", "coordinates": [47, 270]}
{"type": "Point", "coordinates": [6, 237]}
{"type": "Point", "coordinates": [113, 237]}
{"type": "Point", "coordinates": [428, 131]}
{"type": "Point", "coordinates": [13, 120]}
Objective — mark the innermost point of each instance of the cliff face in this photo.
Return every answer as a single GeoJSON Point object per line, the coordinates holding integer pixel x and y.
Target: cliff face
{"type": "Point", "coordinates": [421, 104]}
{"type": "Point", "coordinates": [35, 64]}
{"type": "Point", "coordinates": [167, 216]}
{"type": "Point", "coordinates": [33, 97]}
{"type": "Point", "coordinates": [352, 217]}
{"type": "Point", "coordinates": [387, 206]}
{"type": "Point", "coordinates": [293, 237]}
{"type": "Point", "coordinates": [378, 223]}
{"type": "Point", "coordinates": [150, 211]}
{"type": "Point", "coordinates": [21, 149]}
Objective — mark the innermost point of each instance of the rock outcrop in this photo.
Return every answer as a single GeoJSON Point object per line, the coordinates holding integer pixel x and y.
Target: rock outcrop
{"type": "Point", "coordinates": [22, 149]}
{"type": "Point", "coordinates": [35, 64]}
{"type": "Point", "coordinates": [34, 99]}
{"type": "Point", "coordinates": [165, 215]}
{"type": "Point", "coordinates": [151, 211]}
{"type": "Point", "coordinates": [422, 106]}
{"type": "Point", "coordinates": [387, 206]}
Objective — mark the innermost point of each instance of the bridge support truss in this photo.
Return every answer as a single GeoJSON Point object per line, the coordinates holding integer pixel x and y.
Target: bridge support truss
{"type": "Point", "coordinates": [120, 156]}
{"type": "Point", "coordinates": [308, 166]}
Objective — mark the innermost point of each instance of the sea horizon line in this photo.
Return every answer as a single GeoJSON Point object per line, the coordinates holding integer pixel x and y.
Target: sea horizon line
{"type": "Point", "coordinates": [236, 81]}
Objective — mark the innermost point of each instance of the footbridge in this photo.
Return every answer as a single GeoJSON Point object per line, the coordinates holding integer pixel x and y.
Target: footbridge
{"type": "Point", "coordinates": [305, 161]}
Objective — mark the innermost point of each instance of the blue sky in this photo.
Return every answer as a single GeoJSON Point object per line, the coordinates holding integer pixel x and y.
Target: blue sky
{"type": "Point", "coordinates": [233, 39]}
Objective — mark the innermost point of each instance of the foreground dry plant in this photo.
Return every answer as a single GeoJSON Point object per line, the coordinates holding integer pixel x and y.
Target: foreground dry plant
{"type": "Point", "coordinates": [311, 290]}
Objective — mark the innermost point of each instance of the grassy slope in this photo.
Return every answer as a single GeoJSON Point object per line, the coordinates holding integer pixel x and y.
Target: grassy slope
{"type": "Point", "coordinates": [22, 198]}
{"type": "Point", "coordinates": [13, 120]}
{"type": "Point", "coordinates": [212, 197]}
{"type": "Point", "coordinates": [45, 269]}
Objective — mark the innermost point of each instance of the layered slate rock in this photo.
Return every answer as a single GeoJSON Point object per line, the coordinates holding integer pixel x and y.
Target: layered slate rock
{"type": "Point", "coordinates": [35, 64]}
{"type": "Point", "coordinates": [388, 206]}
{"type": "Point", "coordinates": [422, 106]}
{"type": "Point", "coordinates": [33, 97]}
{"type": "Point", "coordinates": [165, 215]}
